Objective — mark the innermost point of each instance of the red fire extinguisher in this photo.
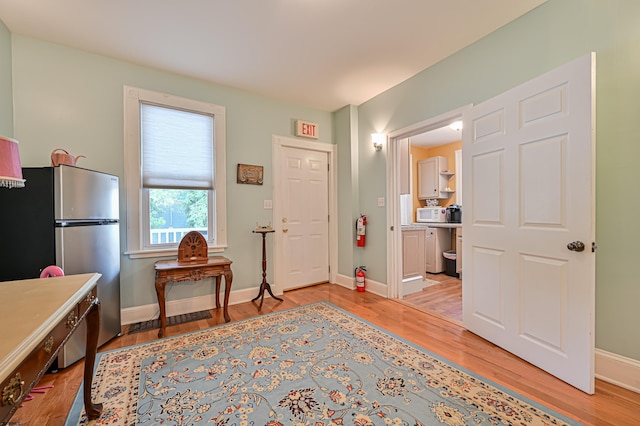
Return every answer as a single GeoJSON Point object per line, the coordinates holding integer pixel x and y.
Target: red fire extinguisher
{"type": "Point", "coordinates": [361, 225]}
{"type": "Point", "coordinates": [360, 282]}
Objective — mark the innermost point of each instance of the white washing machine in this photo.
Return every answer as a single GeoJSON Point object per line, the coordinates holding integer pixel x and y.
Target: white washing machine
{"type": "Point", "coordinates": [437, 241]}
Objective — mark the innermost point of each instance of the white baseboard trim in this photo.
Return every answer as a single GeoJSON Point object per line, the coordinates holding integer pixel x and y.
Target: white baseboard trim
{"type": "Point", "coordinates": [346, 282]}
{"type": "Point", "coordinates": [618, 370]}
{"type": "Point", "coordinates": [370, 285]}
{"type": "Point", "coordinates": [185, 306]}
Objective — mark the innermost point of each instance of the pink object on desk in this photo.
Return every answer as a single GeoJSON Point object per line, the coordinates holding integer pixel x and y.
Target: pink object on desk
{"type": "Point", "coordinates": [52, 271]}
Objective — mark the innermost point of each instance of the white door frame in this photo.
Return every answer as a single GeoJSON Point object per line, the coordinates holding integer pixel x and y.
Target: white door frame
{"type": "Point", "coordinates": [277, 143]}
{"type": "Point", "coordinates": [394, 231]}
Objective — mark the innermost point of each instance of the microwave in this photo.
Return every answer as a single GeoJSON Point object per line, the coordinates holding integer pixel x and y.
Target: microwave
{"type": "Point", "coordinates": [431, 214]}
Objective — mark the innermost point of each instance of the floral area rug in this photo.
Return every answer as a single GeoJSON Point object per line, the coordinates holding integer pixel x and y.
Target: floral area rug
{"type": "Point", "coordinates": [312, 365]}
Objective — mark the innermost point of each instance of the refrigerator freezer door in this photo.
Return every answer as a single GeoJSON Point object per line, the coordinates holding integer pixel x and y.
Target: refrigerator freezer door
{"type": "Point", "coordinates": [27, 239]}
{"type": "Point", "coordinates": [83, 249]}
{"type": "Point", "coordinates": [85, 194]}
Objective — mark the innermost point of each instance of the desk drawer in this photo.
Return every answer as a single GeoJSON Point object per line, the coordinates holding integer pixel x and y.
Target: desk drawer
{"type": "Point", "coordinates": [85, 304]}
{"type": "Point", "coordinates": [23, 378]}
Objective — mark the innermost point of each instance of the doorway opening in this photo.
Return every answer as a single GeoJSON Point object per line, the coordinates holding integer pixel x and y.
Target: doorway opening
{"type": "Point", "coordinates": [421, 278]}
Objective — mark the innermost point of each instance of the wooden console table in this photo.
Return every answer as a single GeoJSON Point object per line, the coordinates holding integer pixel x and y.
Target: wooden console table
{"type": "Point", "coordinates": [38, 317]}
{"type": "Point", "coordinates": [172, 270]}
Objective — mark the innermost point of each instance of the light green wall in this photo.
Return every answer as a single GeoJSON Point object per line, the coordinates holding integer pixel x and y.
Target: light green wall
{"type": "Point", "coordinates": [551, 35]}
{"type": "Point", "coordinates": [6, 96]}
{"type": "Point", "coordinates": [346, 137]}
{"type": "Point", "coordinates": [66, 98]}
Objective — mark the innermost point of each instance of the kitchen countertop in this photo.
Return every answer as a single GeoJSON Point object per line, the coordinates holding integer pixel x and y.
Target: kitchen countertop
{"type": "Point", "coordinates": [423, 225]}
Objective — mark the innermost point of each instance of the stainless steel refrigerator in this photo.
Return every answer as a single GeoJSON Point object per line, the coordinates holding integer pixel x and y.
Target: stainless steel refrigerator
{"type": "Point", "coordinates": [69, 217]}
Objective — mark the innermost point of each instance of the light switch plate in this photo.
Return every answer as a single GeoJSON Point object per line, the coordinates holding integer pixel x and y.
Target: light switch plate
{"type": "Point", "coordinates": [268, 204]}
{"type": "Point", "coordinates": [380, 201]}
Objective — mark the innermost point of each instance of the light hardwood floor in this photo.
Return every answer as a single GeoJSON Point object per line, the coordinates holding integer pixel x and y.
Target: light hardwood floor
{"type": "Point", "coordinates": [611, 405]}
{"type": "Point", "coordinates": [443, 299]}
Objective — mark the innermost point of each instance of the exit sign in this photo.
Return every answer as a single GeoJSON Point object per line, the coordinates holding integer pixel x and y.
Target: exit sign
{"type": "Point", "coordinates": [306, 129]}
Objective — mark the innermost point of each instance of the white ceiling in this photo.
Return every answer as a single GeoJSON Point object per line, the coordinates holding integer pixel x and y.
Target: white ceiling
{"type": "Point", "coordinates": [319, 53]}
{"type": "Point", "coordinates": [436, 137]}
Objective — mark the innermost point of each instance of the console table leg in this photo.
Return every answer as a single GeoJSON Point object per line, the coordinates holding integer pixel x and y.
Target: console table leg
{"type": "Point", "coordinates": [93, 329]}
{"type": "Point", "coordinates": [218, 279]}
{"type": "Point", "coordinates": [160, 284]}
{"type": "Point", "coordinates": [228, 278]}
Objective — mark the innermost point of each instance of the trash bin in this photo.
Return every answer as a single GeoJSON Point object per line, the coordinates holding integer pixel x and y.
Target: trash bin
{"type": "Point", "coordinates": [450, 263]}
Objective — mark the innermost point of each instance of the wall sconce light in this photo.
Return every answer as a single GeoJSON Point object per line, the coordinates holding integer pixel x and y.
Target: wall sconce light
{"type": "Point", "coordinates": [456, 125]}
{"type": "Point", "coordinates": [378, 139]}
{"type": "Point", "coordinates": [10, 169]}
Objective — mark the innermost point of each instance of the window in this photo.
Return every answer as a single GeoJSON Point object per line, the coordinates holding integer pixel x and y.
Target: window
{"type": "Point", "coordinates": [175, 171]}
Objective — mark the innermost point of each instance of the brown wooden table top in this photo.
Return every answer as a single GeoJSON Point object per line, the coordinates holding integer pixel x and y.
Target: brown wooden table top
{"type": "Point", "coordinates": [163, 265]}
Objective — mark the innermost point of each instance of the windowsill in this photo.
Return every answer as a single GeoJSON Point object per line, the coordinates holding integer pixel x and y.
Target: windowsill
{"type": "Point", "coordinates": [145, 254]}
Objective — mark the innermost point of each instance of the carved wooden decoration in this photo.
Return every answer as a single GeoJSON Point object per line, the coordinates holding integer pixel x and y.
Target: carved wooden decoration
{"type": "Point", "coordinates": [193, 248]}
{"type": "Point", "coordinates": [250, 174]}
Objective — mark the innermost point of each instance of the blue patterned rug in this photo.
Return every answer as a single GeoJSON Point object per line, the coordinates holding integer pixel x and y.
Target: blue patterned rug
{"type": "Point", "coordinates": [311, 365]}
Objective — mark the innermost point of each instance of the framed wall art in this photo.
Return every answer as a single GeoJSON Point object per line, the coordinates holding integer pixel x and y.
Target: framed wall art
{"type": "Point", "coordinates": [250, 174]}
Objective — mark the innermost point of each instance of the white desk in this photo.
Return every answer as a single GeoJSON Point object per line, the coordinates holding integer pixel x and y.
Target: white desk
{"type": "Point", "coordinates": [38, 316]}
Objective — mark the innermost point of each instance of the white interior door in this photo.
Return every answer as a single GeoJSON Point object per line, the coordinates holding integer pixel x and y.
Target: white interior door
{"type": "Point", "coordinates": [529, 189]}
{"type": "Point", "coordinates": [304, 217]}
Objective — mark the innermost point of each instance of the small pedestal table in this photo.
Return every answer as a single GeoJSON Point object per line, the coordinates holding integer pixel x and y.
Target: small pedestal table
{"type": "Point", "coordinates": [264, 285]}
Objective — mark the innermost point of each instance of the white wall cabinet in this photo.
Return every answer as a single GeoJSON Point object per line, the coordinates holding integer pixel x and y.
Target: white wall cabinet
{"type": "Point", "coordinates": [433, 178]}
{"type": "Point", "coordinates": [412, 253]}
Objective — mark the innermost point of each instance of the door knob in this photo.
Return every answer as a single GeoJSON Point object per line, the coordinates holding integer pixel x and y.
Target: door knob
{"type": "Point", "coordinates": [285, 230]}
{"type": "Point", "coordinates": [576, 246]}
{"type": "Point", "coordinates": [284, 220]}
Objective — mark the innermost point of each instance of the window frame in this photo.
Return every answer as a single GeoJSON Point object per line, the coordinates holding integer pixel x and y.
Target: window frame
{"type": "Point", "coordinates": [138, 197]}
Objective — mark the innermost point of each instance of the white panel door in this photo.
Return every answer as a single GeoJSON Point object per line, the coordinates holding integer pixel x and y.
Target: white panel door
{"type": "Point", "coordinates": [305, 217]}
{"type": "Point", "coordinates": [528, 159]}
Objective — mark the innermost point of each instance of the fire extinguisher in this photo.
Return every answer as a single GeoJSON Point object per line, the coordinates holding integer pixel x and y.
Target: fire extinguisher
{"type": "Point", "coordinates": [360, 282]}
{"type": "Point", "coordinates": [361, 225]}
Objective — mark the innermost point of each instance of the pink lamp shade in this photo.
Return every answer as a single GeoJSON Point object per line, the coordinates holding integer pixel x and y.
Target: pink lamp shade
{"type": "Point", "coordinates": [10, 169]}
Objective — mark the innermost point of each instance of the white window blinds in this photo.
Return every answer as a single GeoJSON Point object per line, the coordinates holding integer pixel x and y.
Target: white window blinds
{"type": "Point", "coordinates": [177, 148]}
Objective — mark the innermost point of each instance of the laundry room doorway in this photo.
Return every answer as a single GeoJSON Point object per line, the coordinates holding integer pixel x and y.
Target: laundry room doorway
{"type": "Point", "coordinates": [419, 276]}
